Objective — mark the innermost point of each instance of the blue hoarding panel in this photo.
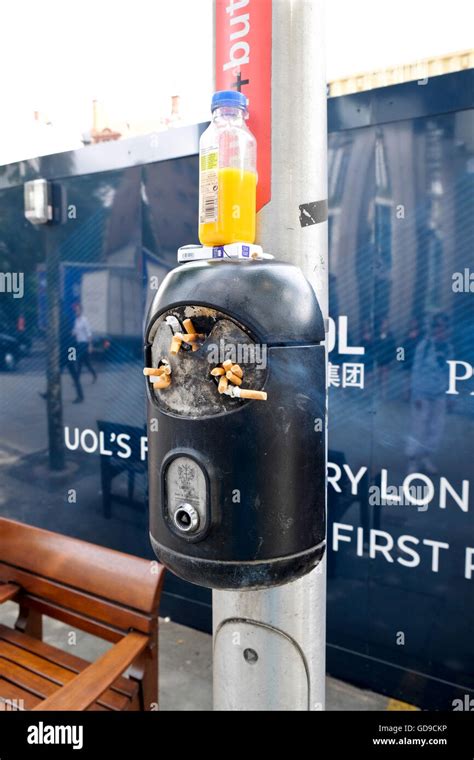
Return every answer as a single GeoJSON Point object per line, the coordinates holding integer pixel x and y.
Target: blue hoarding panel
{"type": "Point", "coordinates": [401, 434]}
{"type": "Point", "coordinates": [401, 425]}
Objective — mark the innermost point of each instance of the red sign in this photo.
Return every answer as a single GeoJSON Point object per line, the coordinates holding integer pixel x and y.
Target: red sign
{"type": "Point", "coordinates": [244, 63]}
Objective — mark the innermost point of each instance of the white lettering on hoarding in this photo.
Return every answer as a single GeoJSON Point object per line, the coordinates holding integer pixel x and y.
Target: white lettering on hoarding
{"type": "Point", "coordinates": [467, 371]}
{"type": "Point", "coordinates": [91, 442]}
{"type": "Point", "coordinates": [340, 335]}
{"type": "Point", "coordinates": [382, 544]}
{"type": "Point", "coordinates": [469, 563]}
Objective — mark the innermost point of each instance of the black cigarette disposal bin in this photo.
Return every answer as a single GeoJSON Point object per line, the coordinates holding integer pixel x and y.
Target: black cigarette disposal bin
{"type": "Point", "coordinates": [237, 486]}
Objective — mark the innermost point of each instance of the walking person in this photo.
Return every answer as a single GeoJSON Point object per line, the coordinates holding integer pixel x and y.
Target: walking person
{"type": "Point", "coordinates": [409, 344]}
{"type": "Point", "coordinates": [68, 357]}
{"type": "Point", "coordinates": [384, 350]}
{"type": "Point", "coordinates": [83, 335]}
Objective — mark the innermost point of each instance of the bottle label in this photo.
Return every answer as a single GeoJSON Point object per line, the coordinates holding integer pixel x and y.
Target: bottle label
{"type": "Point", "coordinates": [208, 185]}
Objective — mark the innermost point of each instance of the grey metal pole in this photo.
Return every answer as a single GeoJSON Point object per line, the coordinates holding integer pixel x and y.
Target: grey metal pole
{"type": "Point", "coordinates": [269, 645]}
{"type": "Point", "coordinates": [56, 448]}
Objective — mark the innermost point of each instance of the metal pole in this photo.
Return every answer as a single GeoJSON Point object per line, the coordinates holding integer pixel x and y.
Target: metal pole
{"type": "Point", "coordinates": [269, 645]}
{"type": "Point", "coordinates": [54, 394]}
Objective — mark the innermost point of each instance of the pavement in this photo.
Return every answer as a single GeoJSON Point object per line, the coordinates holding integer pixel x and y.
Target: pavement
{"type": "Point", "coordinates": [186, 666]}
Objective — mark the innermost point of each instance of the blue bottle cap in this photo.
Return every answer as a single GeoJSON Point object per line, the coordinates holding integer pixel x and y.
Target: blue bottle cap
{"type": "Point", "coordinates": [230, 98]}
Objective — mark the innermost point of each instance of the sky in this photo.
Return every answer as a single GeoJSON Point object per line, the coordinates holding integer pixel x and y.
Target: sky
{"type": "Point", "coordinates": [56, 56]}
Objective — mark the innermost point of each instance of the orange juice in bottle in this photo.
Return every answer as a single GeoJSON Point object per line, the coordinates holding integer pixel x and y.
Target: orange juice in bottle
{"type": "Point", "coordinates": [227, 174]}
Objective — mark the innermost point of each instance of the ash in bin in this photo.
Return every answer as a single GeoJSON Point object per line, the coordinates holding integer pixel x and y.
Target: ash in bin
{"type": "Point", "coordinates": [187, 340]}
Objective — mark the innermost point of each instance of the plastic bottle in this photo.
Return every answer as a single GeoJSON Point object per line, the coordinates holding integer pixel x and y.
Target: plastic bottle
{"type": "Point", "coordinates": [227, 173]}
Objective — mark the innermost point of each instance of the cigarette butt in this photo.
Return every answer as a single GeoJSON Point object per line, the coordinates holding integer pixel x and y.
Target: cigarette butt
{"type": "Point", "coordinates": [191, 338]}
{"type": "Point", "coordinates": [153, 371]}
{"type": "Point", "coordinates": [227, 364]}
{"type": "Point", "coordinates": [176, 343]}
{"type": "Point", "coordinates": [163, 382]}
{"type": "Point", "coordinates": [188, 326]}
{"type": "Point", "coordinates": [223, 383]}
{"type": "Point", "coordinates": [257, 395]}
{"type": "Point", "coordinates": [237, 370]}
{"type": "Point", "coordinates": [217, 371]}
{"type": "Point", "coordinates": [166, 369]}
{"type": "Point", "coordinates": [233, 378]}
{"type": "Point", "coordinates": [191, 330]}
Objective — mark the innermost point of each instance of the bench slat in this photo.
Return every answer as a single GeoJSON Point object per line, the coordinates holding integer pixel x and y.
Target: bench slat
{"type": "Point", "coordinates": [87, 687]}
{"type": "Point", "coordinates": [8, 591]}
{"type": "Point", "coordinates": [55, 673]}
{"type": "Point", "coordinates": [60, 657]}
{"type": "Point", "coordinates": [100, 571]}
{"type": "Point", "coordinates": [101, 609]}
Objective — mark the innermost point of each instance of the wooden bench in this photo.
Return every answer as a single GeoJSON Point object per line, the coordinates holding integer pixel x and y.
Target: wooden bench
{"type": "Point", "coordinates": [106, 593]}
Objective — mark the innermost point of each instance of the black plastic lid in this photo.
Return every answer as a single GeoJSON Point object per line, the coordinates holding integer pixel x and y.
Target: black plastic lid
{"type": "Point", "coordinates": [273, 299]}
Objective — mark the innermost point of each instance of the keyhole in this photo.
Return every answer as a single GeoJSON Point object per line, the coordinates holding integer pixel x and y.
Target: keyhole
{"type": "Point", "coordinates": [250, 656]}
